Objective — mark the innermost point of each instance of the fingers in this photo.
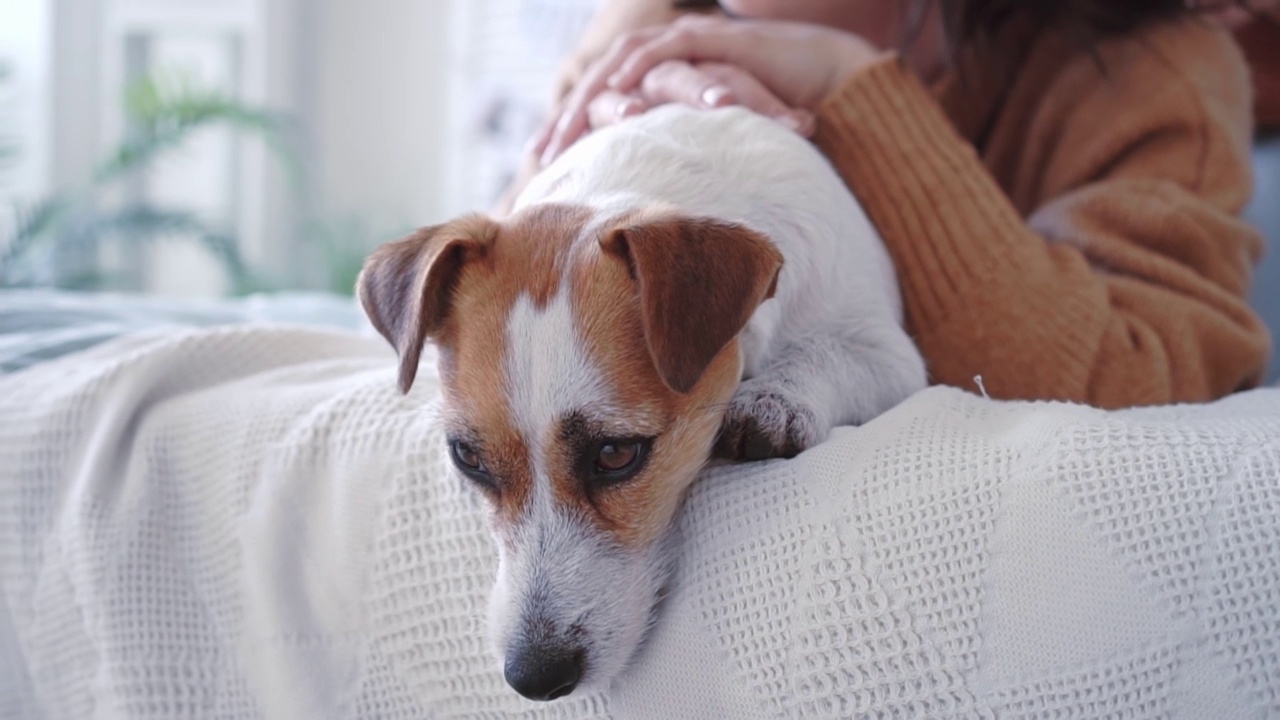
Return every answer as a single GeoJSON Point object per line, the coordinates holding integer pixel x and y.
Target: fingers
{"type": "Point", "coordinates": [665, 64]}
{"type": "Point", "coordinates": [611, 106]}
{"type": "Point", "coordinates": [538, 143]}
{"type": "Point", "coordinates": [573, 121]}
{"type": "Point", "coordinates": [751, 93]}
{"type": "Point", "coordinates": [705, 86]}
{"type": "Point", "coordinates": [674, 81]}
{"type": "Point", "coordinates": [566, 78]}
{"type": "Point", "coordinates": [698, 39]}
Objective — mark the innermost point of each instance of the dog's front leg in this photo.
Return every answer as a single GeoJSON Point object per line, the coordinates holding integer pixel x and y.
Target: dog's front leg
{"type": "Point", "coordinates": [814, 384]}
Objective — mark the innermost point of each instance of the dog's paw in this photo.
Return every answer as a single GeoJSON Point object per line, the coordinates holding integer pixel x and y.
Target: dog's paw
{"type": "Point", "coordinates": [764, 421]}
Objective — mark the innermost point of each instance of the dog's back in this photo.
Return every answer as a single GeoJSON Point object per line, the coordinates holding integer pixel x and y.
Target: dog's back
{"type": "Point", "coordinates": [735, 165]}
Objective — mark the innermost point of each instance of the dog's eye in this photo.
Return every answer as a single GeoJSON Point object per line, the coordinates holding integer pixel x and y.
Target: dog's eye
{"type": "Point", "coordinates": [614, 457]}
{"type": "Point", "coordinates": [466, 456]}
{"type": "Point", "coordinates": [617, 460]}
{"type": "Point", "coordinates": [468, 460]}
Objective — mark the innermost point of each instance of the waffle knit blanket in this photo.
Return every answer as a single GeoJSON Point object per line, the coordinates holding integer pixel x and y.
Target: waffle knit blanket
{"type": "Point", "coordinates": [250, 522]}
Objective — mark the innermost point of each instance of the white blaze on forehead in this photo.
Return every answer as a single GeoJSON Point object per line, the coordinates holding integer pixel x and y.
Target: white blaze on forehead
{"type": "Point", "coordinates": [560, 579]}
{"type": "Point", "coordinates": [548, 370]}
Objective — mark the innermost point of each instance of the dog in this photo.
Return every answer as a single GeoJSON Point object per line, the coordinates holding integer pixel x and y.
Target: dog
{"type": "Point", "coordinates": [683, 285]}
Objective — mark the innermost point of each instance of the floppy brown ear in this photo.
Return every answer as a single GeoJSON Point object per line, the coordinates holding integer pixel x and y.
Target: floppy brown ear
{"type": "Point", "coordinates": [406, 285]}
{"type": "Point", "coordinates": [700, 281]}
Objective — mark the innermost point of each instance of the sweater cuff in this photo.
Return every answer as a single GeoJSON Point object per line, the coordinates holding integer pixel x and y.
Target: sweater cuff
{"type": "Point", "coordinates": [943, 218]}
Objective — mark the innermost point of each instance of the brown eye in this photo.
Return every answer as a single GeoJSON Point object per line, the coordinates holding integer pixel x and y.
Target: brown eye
{"type": "Point", "coordinates": [466, 456]}
{"type": "Point", "coordinates": [616, 457]}
{"type": "Point", "coordinates": [613, 461]}
{"type": "Point", "coordinates": [468, 460]}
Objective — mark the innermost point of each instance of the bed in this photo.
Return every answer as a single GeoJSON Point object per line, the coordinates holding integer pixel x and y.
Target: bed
{"type": "Point", "coordinates": [228, 511]}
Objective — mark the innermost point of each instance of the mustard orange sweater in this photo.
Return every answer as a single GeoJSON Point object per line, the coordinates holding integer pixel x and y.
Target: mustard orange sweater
{"type": "Point", "coordinates": [1072, 233]}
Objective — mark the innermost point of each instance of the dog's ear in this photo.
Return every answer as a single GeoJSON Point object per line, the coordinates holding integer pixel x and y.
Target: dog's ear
{"type": "Point", "coordinates": [406, 285]}
{"type": "Point", "coordinates": [700, 280]}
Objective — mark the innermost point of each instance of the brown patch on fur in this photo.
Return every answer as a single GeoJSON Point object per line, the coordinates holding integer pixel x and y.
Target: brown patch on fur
{"type": "Point", "coordinates": [405, 285]}
{"type": "Point", "coordinates": [606, 312]}
{"type": "Point", "coordinates": [505, 455]}
{"type": "Point", "coordinates": [713, 277]}
{"type": "Point", "coordinates": [699, 282]}
{"type": "Point", "coordinates": [455, 284]}
{"type": "Point", "coordinates": [639, 510]}
{"type": "Point", "coordinates": [657, 300]}
{"type": "Point", "coordinates": [527, 257]}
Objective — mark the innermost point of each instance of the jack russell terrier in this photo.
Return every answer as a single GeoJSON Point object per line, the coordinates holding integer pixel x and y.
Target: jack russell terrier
{"type": "Point", "coordinates": [684, 282]}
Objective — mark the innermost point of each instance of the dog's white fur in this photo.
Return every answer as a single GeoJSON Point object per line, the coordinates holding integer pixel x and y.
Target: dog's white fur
{"type": "Point", "coordinates": [827, 350]}
{"type": "Point", "coordinates": [563, 573]}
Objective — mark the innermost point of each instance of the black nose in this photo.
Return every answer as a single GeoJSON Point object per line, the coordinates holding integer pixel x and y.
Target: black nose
{"type": "Point", "coordinates": [543, 672]}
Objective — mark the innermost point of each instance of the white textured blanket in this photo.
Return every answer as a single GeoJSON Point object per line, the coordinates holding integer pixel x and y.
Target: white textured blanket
{"type": "Point", "coordinates": [250, 522]}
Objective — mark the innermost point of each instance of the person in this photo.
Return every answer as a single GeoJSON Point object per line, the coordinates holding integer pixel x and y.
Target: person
{"type": "Point", "coordinates": [1059, 184]}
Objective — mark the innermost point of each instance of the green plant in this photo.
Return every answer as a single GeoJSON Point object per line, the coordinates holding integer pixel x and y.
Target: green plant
{"type": "Point", "coordinates": [162, 112]}
{"type": "Point", "coordinates": [8, 146]}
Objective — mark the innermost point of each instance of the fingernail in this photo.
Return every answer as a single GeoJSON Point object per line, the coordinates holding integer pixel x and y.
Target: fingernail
{"type": "Point", "coordinates": [800, 122]}
{"type": "Point", "coordinates": [547, 156]}
{"type": "Point", "coordinates": [627, 108]}
{"type": "Point", "coordinates": [715, 95]}
{"type": "Point", "coordinates": [527, 149]}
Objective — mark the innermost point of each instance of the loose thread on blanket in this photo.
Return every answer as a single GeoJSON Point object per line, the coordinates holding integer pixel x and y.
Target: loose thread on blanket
{"type": "Point", "coordinates": [977, 379]}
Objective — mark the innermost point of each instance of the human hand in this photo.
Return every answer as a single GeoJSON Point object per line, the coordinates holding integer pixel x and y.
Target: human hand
{"type": "Point", "coordinates": [798, 63]}
{"type": "Point", "coordinates": [704, 85]}
{"type": "Point", "coordinates": [612, 18]}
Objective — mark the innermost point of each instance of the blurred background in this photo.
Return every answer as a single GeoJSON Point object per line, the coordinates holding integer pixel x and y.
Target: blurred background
{"type": "Point", "coordinates": [212, 147]}
{"type": "Point", "coordinates": [227, 147]}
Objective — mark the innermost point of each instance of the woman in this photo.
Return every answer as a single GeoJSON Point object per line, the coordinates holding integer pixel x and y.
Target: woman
{"type": "Point", "coordinates": [1058, 183]}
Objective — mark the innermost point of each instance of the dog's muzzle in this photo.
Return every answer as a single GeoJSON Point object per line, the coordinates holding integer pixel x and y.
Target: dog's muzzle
{"type": "Point", "coordinates": [543, 671]}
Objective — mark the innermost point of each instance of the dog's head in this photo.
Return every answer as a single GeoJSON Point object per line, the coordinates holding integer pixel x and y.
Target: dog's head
{"type": "Point", "coordinates": [585, 365]}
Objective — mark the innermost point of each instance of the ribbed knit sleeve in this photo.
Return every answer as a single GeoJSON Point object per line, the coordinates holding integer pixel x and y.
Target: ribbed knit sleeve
{"type": "Point", "coordinates": [1124, 283]}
